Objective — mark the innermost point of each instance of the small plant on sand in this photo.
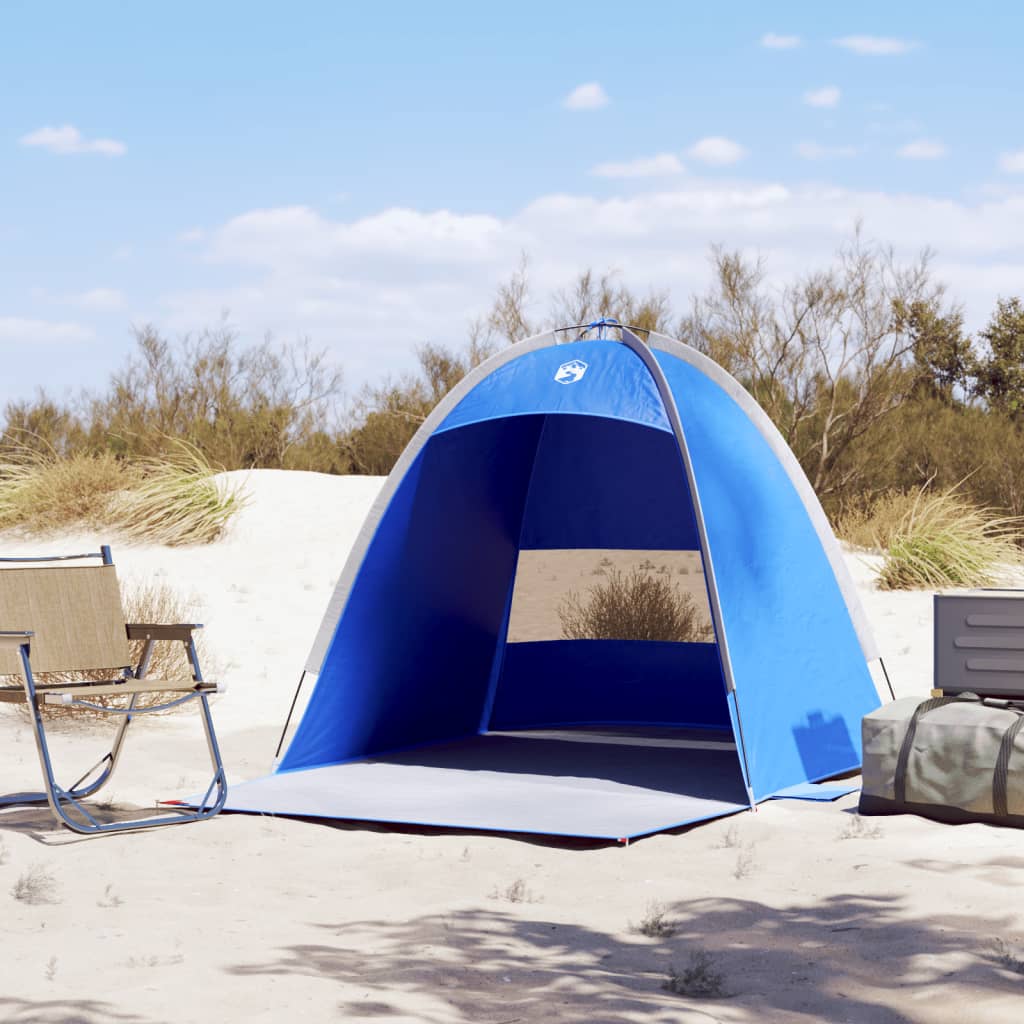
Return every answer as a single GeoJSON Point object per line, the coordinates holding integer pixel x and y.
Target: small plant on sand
{"type": "Point", "coordinates": [936, 539]}
{"type": "Point", "coordinates": [701, 979]}
{"type": "Point", "coordinates": [515, 892]}
{"type": "Point", "coordinates": [858, 828]}
{"type": "Point", "coordinates": [110, 899]}
{"type": "Point", "coordinates": [730, 839]}
{"type": "Point", "coordinates": [655, 924]}
{"type": "Point", "coordinates": [1006, 956]}
{"type": "Point", "coordinates": [35, 886]}
{"type": "Point", "coordinates": [4, 852]}
{"type": "Point", "coordinates": [745, 862]}
{"type": "Point", "coordinates": [51, 968]}
{"type": "Point", "coordinates": [638, 605]}
{"type": "Point", "coordinates": [155, 960]}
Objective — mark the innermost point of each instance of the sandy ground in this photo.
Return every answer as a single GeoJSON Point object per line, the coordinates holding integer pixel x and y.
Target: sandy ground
{"type": "Point", "coordinates": [809, 913]}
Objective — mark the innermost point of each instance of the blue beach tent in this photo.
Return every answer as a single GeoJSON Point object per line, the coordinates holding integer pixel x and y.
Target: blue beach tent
{"type": "Point", "coordinates": [449, 688]}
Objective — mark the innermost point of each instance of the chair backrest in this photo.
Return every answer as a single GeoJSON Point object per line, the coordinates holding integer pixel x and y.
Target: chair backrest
{"type": "Point", "coordinates": [75, 613]}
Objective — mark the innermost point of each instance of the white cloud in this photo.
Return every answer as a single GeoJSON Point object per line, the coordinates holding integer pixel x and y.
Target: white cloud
{"type": "Point", "coordinates": [876, 46]}
{"type": "Point", "coordinates": [589, 96]}
{"type": "Point", "coordinates": [717, 151]}
{"type": "Point", "coordinates": [923, 149]}
{"type": "Point", "coordinates": [826, 96]}
{"type": "Point", "coordinates": [191, 235]}
{"type": "Point", "coordinates": [401, 276]}
{"type": "Point", "coordinates": [399, 237]}
{"type": "Point", "coordinates": [24, 331]}
{"type": "Point", "coordinates": [1012, 163]}
{"type": "Point", "coordinates": [645, 167]}
{"type": "Point", "coordinates": [773, 41]}
{"type": "Point", "coordinates": [95, 300]}
{"type": "Point", "coordinates": [816, 151]}
{"type": "Point", "coordinates": [99, 300]}
{"type": "Point", "coordinates": [67, 140]}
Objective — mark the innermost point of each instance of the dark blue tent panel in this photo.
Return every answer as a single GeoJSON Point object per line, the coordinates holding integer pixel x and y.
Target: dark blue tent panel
{"type": "Point", "coordinates": [599, 483]}
{"type": "Point", "coordinates": [586, 447]}
{"type": "Point", "coordinates": [416, 648]}
{"type": "Point", "coordinates": [608, 682]}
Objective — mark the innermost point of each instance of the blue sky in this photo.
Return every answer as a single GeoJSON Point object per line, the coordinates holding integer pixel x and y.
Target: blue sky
{"type": "Point", "coordinates": [363, 175]}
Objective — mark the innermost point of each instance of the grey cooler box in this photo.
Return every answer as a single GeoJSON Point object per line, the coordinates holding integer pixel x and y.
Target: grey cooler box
{"type": "Point", "coordinates": [979, 643]}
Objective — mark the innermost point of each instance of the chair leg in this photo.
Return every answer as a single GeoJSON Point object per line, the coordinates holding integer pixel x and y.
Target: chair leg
{"type": "Point", "coordinates": [62, 800]}
{"type": "Point", "coordinates": [77, 791]}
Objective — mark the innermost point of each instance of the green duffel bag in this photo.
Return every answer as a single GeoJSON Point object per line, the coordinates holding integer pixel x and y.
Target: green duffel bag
{"type": "Point", "coordinates": [955, 759]}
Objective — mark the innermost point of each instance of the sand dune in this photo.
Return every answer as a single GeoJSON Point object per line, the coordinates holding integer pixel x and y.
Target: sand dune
{"type": "Point", "coordinates": [809, 913]}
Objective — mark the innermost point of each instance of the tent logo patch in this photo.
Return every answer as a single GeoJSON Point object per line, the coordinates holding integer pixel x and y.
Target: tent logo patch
{"type": "Point", "coordinates": [571, 372]}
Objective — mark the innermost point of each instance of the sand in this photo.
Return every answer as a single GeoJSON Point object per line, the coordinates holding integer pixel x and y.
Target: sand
{"type": "Point", "coordinates": [809, 913]}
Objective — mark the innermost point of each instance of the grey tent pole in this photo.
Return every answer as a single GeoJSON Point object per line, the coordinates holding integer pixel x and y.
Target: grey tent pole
{"type": "Point", "coordinates": [291, 711]}
{"type": "Point", "coordinates": [646, 356]}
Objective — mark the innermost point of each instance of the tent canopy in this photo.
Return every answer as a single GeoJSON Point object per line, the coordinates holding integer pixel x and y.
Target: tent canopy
{"type": "Point", "coordinates": [597, 553]}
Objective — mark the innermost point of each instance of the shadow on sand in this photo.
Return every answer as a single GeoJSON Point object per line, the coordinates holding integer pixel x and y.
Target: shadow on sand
{"type": "Point", "coordinates": [850, 958]}
{"type": "Point", "coordinates": [63, 1011]}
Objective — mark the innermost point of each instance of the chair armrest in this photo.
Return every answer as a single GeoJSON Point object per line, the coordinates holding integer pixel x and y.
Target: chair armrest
{"type": "Point", "coordinates": [161, 631]}
{"type": "Point", "coordinates": [15, 637]}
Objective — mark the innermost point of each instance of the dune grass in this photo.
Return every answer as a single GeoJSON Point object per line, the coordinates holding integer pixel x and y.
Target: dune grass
{"type": "Point", "coordinates": [172, 499]}
{"type": "Point", "coordinates": [43, 493]}
{"type": "Point", "coordinates": [177, 500]}
{"type": "Point", "coordinates": [934, 539]}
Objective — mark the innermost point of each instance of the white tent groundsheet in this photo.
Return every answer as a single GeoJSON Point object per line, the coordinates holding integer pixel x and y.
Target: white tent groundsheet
{"type": "Point", "coordinates": [603, 784]}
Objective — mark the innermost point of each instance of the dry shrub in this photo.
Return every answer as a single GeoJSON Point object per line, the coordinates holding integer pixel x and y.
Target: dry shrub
{"type": "Point", "coordinates": [41, 492]}
{"type": "Point", "coordinates": [177, 500]}
{"type": "Point", "coordinates": [942, 539]}
{"type": "Point", "coordinates": [153, 602]}
{"type": "Point", "coordinates": [634, 606]}
{"type": "Point", "coordinates": [874, 523]}
{"type": "Point", "coordinates": [157, 602]}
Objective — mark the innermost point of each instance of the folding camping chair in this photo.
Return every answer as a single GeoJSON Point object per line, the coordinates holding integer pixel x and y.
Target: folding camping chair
{"type": "Point", "coordinates": [68, 620]}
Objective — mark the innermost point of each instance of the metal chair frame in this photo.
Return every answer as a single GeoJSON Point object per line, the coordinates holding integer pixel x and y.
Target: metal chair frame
{"type": "Point", "coordinates": [132, 683]}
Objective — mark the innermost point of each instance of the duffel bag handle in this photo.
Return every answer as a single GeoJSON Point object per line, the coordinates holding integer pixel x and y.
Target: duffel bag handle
{"type": "Point", "coordinates": [900, 782]}
{"type": "Point", "coordinates": [1000, 797]}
